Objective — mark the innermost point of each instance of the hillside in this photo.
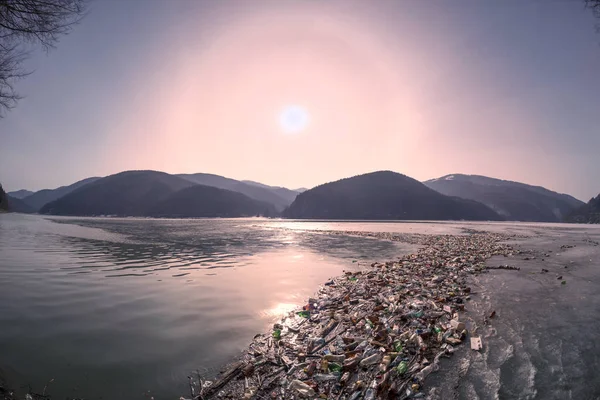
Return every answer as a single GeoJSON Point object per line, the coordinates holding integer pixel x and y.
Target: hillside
{"type": "Point", "coordinates": [130, 193]}
{"type": "Point", "coordinates": [38, 199]}
{"type": "Point", "coordinates": [209, 201]}
{"type": "Point", "coordinates": [18, 205]}
{"type": "Point", "coordinates": [383, 195]}
{"type": "Point", "coordinates": [512, 200]}
{"type": "Point", "coordinates": [588, 213]}
{"type": "Point", "coordinates": [257, 192]}
{"type": "Point", "coordinates": [20, 194]}
{"type": "Point", "coordinates": [285, 193]}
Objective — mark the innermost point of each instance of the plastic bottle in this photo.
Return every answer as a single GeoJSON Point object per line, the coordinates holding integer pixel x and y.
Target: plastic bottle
{"type": "Point", "coordinates": [324, 377]}
{"type": "Point", "coordinates": [402, 367]}
{"type": "Point", "coordinates": [385, 363]}
{"type": "Point", "coordinates": [371, 393]}
{"type": "Point", "coordinates": [398, 346]}
{"type": "Point", "coordinates": [301, 388]}
{"type": "Point", "coordinates": [324, 366]}
{"type": "Point", "coordinates": [335, 358]}
{"type": "Point", "coordinates": [345, 378]}
{"type": "Point", "coordinates": [372, 359]}
{"type": "Point", "coordinates": [335, 367]}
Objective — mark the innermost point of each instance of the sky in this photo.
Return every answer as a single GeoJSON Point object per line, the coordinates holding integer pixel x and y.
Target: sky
{"type": "Point", "coordinates": [299, 93]}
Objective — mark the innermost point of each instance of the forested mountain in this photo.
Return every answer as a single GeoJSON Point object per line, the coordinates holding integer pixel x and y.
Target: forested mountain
{"type": "Point", "coordinates": [383, 195]}
{"type": "Point", "coordinates": [38, 199]}
{"type": "Point", "coordinates": [588, 213]}
{"type": "Point", "coordinates": [254, 190]}
{"type": "Point", "coordinates": [18, 205]}
{"type": "Point", "coordinates": [129, 193]}
{"type": "Point", "coordinates": [512, 200]}
{"type": "Point", "coordinates": [20, 194]}
{"type": "Point", "coordinates": [209, 201]}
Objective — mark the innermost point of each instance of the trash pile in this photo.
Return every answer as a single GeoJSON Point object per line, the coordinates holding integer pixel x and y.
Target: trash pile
{"type": "Point", "coordinates": [371, 334]}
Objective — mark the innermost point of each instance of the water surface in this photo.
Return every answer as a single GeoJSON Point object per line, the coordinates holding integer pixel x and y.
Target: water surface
{"type": "Point", "coordinates": [114, 308]}
{"type": "Point", "coordinates": [127, 308]}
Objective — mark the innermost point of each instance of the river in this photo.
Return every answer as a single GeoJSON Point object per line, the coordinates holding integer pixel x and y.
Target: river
{"type": "Point", "coordinates": [128, 308]}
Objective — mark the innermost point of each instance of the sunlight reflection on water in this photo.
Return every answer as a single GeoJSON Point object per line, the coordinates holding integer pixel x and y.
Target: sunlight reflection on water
{"type": "Point", "coordinates": [115, 307]}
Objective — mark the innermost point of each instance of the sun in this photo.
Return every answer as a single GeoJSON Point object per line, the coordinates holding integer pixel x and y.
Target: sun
{"type": "Point", "coordinates": [293, 119]}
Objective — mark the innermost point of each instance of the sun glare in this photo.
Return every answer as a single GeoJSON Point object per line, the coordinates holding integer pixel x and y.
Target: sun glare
{"type": "Point", "coordinates": [293, 119]}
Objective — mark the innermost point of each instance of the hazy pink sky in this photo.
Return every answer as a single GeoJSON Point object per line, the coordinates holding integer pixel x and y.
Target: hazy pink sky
{"type": "Point", "coordinates": [505, 89]}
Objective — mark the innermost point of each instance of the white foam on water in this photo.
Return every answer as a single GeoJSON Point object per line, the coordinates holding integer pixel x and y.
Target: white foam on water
{"type": "Point", "coordinates": [463, 367]}
{"type": "Point", "coordinates": [530, 389]}
{"type": "Point", "coordinates": [433, 394]}
{"type": "Point", "coordinates": [507, 353]}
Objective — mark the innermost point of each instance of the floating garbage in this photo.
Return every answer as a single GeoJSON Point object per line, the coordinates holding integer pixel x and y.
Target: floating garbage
{"type": "Point", "coordinates": [368, 334]}
{"type": "Point", "coordinates": [476, 343]}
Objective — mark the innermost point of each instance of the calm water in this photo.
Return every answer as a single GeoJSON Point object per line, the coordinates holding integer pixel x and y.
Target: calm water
{"type": "Point", "coordinates": [113, 308]}
{"type": "Point", "coordinates": [126, 308]}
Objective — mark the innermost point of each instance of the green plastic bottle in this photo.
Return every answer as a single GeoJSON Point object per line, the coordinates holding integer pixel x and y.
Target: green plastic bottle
{"type": "Point", "coordinates": [398, 346]}
{"type": "Point", "coordinates": [402, 368]}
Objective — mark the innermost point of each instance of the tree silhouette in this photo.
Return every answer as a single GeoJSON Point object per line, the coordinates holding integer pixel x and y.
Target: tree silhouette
{"type": "Point", "coordinates": [594, 5]}
{"type": "Point", "coordinates": [24, 23]}
{"type": "Point", "coordinates": [3, 200]}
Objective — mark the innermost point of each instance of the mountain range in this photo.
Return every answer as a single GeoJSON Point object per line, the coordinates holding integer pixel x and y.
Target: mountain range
{"type": "Point", "coordinates": [514, 201]}
{"type": "Point", "coordinates": [588, 213]}
{"type": "Point", "coordinates": [20, 194]}
{"type": "Point", "coordinates": [38, 199]}
{"type": "Point", "coordinates": [278, 196]}
{"type": "Point", "coordinates": [13, 204]}
{"type": "Point", "coordinates": [378, 195]}
{"type": "Point", "coordinates": [158, 194]}
{"type": "Point", "coordinates": [384, 195]}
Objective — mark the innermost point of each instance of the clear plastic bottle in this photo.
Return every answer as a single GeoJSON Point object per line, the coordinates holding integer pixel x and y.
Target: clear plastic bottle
{"type": "Point", "coordinates": [371, 393]}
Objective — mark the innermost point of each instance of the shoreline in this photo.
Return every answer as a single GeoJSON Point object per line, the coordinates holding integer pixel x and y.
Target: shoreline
{"type": "Point", "coordinates": [375, 333]}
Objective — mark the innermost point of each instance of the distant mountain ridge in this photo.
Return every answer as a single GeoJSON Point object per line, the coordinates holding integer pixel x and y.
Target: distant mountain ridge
{"type": "Point", "coordinates": [19, 206]}
{"type": "Point", "coordinates": [384, 195]}
{"type": "Point", "coordinates": [287, 194]}
{"type": "Point", "coordinates": [138, 193]}
{"type": "Point", "coordinates": [129, 193]}
{"type": "Point", "coordinates": [12, 204]}
{"type": "Point", "coordinates": [155, 194]}
{"type": "Point", "coordinates": [209, 201]}
{"type": "Point", "coordinates": [512, 200]}
{"type": "Point", "coordinates": [20, 194]}
{"type": "Point", "coordinates": [588, 213]}
{"type": "Point", "coordinates": [38, 199]}
{"type": "Point", "coordinates": [279, 198]}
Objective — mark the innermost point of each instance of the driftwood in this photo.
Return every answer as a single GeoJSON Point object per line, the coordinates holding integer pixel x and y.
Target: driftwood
{"type": "Point", "coordinates": [508, 267]}
{"type": "Point", "coordinates": [231, 373]}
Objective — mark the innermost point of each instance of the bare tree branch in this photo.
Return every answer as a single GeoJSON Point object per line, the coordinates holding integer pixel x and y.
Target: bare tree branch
{"type": "Point", "coordinates": [24, 23]}
{"type": "Point", "coordinates": [594, 5]}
